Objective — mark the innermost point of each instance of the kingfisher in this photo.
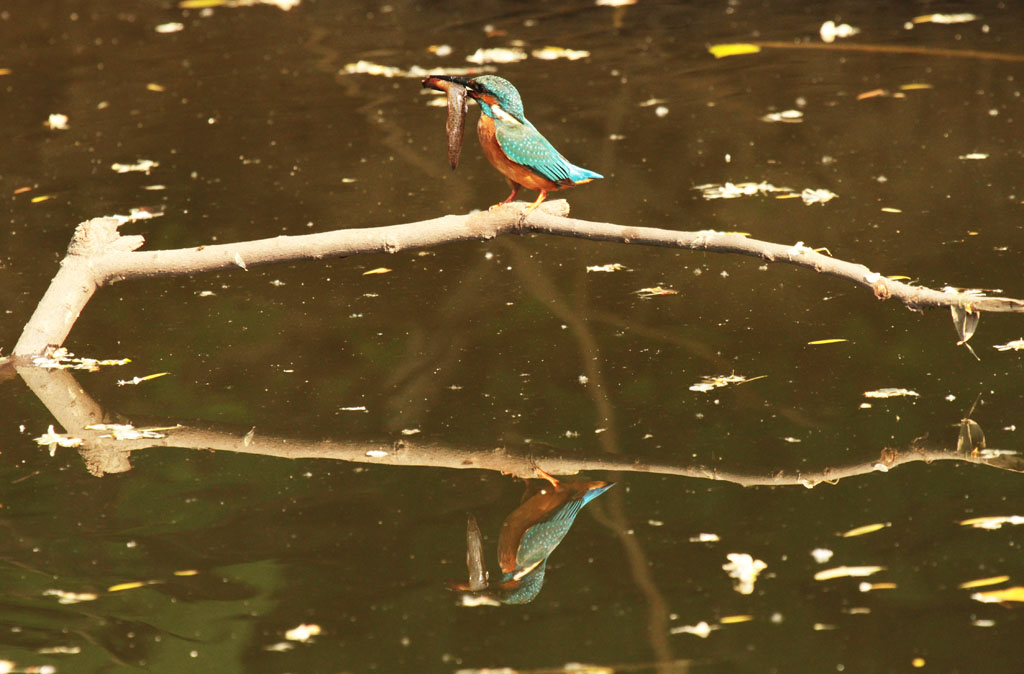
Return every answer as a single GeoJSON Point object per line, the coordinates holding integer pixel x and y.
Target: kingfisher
{"type": "Point", "coordinates": [512, 144]}
{"type": "Point", "coordinates": [530, 534]}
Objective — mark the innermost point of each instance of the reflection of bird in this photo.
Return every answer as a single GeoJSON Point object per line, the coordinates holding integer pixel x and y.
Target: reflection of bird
{"type": "Point", "coordinates": [512, 144]}
{"type": "Point", "coordinates": [533, 530]}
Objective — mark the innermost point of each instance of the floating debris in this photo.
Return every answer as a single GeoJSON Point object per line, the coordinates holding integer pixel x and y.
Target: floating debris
{"type": "Point", "coordinates": [821, 555]}
{"type": "Point", "coordinates": [730, 190]}
{"type": "Point", "coordinates": [1015, 593]}
{"type": "Point", "coordinates": [745, 570]}
{"type": "Point", "coordinates": [710, 383]}
{"type": "Point", "coordinates": [53, 440]}
{"type": "Point", "coordinates": [141, 166]}
{"type": "Point", "coordinates": [942, 19]}
{"type": "Point", "coordinates": [370, 68]}
{"type": "Point", "coordinates": [65, 597]}
{"type": "Point", "coordinates": [785, 116]}
{"type": "Point", "coordinates": [656, 291]}
{"type": "Point", "coordinates": [62, 359]}
{"type": "Point", "coordinates": [57, 122]}
{"type": "Point", "coordinates": [870, 587]}
{"type": "Point", "coordinates": [983, 582]}
{"type": "Point", "coordinates": [847, 572]}
{"type": "Point", "coordinates": [497, 55]}
{"type": "Point", "coordinates": [991, 523]}
{"type": "Point", "coordinates": [720, 51]}
{"type": "Point", "coordinates": [866, 529]}
{"type": "Point", "coordinates": [829, 31]}
{"type": "Point", "coordinates": [303, 632]}
{"type": "Point", "coordinates": [286, 5]}
{"type": "Point", "coordinates": [705, 538]}
{"type": "Point", "coordinates": [552, 53]}
{"type": "Point", "coordinates": [135, 381]}
{"type": "Point", "coordinates": [817, 196]}
{"type": "Point", "coordinates": [701, 629]}
{"type": "Point", "coordinates": [614, 266]}
{"type": "Point", "coordinates": [891, 393]}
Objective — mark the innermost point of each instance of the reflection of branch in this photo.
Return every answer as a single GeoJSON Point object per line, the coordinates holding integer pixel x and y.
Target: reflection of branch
{"type": "Point", "coordinates": [99, 255]}
{"type": "Point", "coordinates": [73, 407]}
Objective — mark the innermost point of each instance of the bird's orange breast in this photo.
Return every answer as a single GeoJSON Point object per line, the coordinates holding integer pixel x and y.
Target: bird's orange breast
{"type": "Point", "coordinates": [517, 173]}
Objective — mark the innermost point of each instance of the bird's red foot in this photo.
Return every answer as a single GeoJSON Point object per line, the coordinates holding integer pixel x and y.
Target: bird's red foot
{"type": "Point", "coordinates": [532, 207]}
{"type": "Point", "coordinates": [547, 476]}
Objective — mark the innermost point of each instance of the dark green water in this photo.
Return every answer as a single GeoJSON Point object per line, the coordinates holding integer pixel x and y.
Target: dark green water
{"type": "Point", "coordinates": [259, 131]}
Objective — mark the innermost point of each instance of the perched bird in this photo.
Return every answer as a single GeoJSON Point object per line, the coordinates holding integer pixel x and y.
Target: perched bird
{"type": "Point", "coordinates": [511, 143]}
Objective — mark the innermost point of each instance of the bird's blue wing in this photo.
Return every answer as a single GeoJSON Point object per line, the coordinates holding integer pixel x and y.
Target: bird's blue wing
{"type": "Point", "coordinates": [523, 144]}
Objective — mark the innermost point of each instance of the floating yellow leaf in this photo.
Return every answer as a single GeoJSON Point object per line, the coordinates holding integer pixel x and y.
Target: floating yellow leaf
{"type": "Point", "coordinates": [201, 4]}
{"type": "Point", "coordinates": [378, 270]}
{"type": "Point", "coordinates": [186, 572]}
{"type": "Point", "coordinates": [733, 49]}
{"type": "Point", "coordinates": [866, 529]}
{"type": "Point", "coordinates": [898, 277]}
{"type": "Point", "coordinates": [847, 572]}
{"type": "Point", "coordinates": [153, 86]}
{"type": "Point", "coordinates": [914, 86]}
{"type": "Point", "coordinates": [868, 587]}
{"type": "Point", "coordinates": [982, 582]}
{"type": "Point", "coordinates": [42, 197]}
{"type": "Point", "coordinates": [733, 619]}
{"type": "Point", "coordinates": [834, 340]}
{"type": "Point", "coordinates": [889, 209]}
{"type": "Point", "coordinates": [5, 71]}
{"type": "Point", "coordinates": [1015, 593]}
{"type": "Point", "coordinates": [874, 93]}
{"type": "Point", "coordinates": [127, 586]}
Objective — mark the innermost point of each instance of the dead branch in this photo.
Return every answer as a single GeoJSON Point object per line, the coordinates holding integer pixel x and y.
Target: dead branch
{"type": "Point", "coordinates": [100, 255]}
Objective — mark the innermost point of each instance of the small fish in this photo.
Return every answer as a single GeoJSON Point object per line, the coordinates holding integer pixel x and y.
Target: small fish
{"type": "Point", "coordinates": [458, 106]}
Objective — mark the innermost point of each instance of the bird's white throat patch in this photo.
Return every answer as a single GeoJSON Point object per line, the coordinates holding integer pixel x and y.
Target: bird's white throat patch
{"type": "Point", "coordinates": [503, 116]}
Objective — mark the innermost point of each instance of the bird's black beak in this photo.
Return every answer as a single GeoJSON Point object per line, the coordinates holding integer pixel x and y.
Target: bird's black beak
{"type": "Point", "coordinates": [464, 81]}
{"type": "Point", "coordinates": [432, 82]}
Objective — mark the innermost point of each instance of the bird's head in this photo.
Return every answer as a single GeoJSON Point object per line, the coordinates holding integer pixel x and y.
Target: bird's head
{"type": "Point", "coordinates": [496, 95]}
